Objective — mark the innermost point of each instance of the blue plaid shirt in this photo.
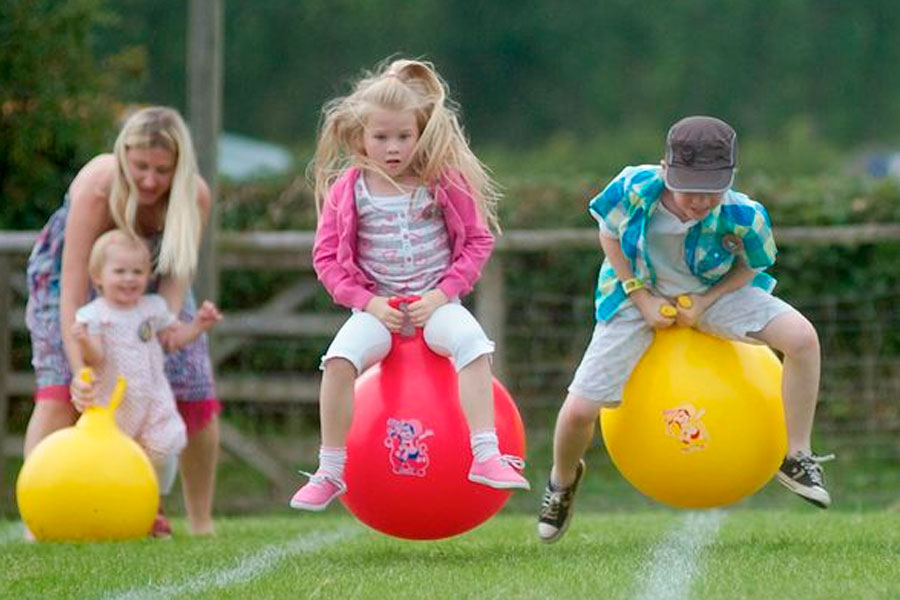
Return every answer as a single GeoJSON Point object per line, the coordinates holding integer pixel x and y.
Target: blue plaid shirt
{"type": "Point", "coordinates": [625, 207]}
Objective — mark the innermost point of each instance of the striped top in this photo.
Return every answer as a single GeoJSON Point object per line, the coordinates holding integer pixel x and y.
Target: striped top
{"type": "Point", "coordinates": [402, 241]}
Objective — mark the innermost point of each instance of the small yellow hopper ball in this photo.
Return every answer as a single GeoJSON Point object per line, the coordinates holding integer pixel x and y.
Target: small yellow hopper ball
{"type": "Point", "coordinates": [89, 481]}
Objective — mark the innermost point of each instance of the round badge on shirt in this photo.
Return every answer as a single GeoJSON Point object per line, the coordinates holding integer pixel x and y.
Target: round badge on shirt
{"type": "Point", "coordinates": [145, 331]}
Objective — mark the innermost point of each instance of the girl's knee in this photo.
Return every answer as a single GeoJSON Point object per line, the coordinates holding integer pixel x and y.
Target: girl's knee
{"type": "Point", "coordinates": [338, 366]}
{"type": "Point", "coordinates": [481, 361]}
{"type": "Point", "coordinates": [461, 338]}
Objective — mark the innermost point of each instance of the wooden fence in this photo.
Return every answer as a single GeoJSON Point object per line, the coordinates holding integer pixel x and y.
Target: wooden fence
{"type": "Point", "coordinates": [278, 316]}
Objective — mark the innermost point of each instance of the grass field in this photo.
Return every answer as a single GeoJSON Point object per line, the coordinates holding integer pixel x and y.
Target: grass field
{"type": "Point", "coordinates": [771, 545]}
{"type": "Point", "coordinates": [656, 554]}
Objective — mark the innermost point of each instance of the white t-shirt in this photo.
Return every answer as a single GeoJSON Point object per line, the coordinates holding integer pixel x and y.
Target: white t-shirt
{"type": "Point", "coordinates": [666, 234]}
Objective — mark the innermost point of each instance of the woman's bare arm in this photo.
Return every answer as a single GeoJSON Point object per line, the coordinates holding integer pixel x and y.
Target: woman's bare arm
{"type": "Point", "coordinates": [88, 217]}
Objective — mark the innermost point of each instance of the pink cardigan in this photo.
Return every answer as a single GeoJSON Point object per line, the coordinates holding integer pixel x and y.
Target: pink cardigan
{"type": "Point", "coordinates": [334, 250]}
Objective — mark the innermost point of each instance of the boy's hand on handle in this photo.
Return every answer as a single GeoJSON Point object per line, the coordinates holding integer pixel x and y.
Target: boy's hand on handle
{"type": "Point", "coordinates": [392, 318]}
{"type": "Point", "coordinates": [657, 312]}
{"type": "Point", "coordinates": [667, 310]}
{"type": "Point", "coordinates": [207, 316]}
{"type": "Point", "coordinates": [82, 389]}
{"type": "Point", "coordinates": [690, 308]}
{"type": "Point", "coordinates": [421, 310]}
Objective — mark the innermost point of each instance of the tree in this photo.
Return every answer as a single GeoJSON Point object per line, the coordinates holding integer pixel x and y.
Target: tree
{"type": "Point", "coordinates": [57, 101]}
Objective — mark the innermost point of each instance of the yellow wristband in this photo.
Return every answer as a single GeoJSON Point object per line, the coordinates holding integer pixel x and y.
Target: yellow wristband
{"type": "Point", "coordinates": [632, 285]}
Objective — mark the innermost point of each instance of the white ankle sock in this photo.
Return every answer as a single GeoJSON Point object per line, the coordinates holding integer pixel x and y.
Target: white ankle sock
{"type": "Point", "coordinates": [484, 444]}
{"type": "Point", "coordinates": [332, 460]}
{"type": "Point", "coordinates": [166, 469]}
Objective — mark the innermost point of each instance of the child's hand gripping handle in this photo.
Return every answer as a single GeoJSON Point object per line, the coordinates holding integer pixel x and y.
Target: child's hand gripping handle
{"type": "Point", "coordinates": [667, 310]}
{"type": "Point", "coordinates": [401, 303]}
{"type": "Point", "coordinates": [82, 394]}
{"type": "Point", "coordinates": [86, 374]}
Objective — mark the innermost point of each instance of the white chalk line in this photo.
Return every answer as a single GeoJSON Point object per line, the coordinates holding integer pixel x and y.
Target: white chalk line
{"type": "Point", "coordinates": [675, 561]}
{"type": "Point", "coordinates": [246, 570]}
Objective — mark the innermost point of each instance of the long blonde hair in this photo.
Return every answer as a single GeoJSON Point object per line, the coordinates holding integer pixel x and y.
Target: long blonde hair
{"type": "Point", "coordinates": [161, 127]}
{"type": "Point", "coordinates": [442, 148]}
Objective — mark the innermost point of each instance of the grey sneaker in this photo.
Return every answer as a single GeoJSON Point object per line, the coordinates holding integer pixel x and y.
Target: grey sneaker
{"type": "Point", "coordinates": [557, 508]}
{"type": "Point", "coordinates": [802, 474]}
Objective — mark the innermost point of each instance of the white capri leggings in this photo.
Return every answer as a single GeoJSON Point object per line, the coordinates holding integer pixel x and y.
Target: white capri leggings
{"type": "Point", "coordinates": [450, 331]}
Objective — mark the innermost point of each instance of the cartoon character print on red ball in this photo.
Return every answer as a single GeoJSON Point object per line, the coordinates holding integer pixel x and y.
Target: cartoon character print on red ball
{"type": "Point", "coordinates": [408, 451]}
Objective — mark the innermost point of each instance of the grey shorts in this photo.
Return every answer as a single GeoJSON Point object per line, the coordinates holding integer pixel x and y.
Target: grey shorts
{"type": "Point", "coordinates": [618, 344]}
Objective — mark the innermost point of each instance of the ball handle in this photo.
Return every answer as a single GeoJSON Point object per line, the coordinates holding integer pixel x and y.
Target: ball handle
{"type": "Point", "coordinates": [684, 301]}
{"type": "Point", "coordinates": [118, 394]}
{"type": "Point", "coordinates": [667, 310]}
{"type": "Point", "coordinates": [86, 374]}
{"type": "Point", "coordinates": [402, 303]}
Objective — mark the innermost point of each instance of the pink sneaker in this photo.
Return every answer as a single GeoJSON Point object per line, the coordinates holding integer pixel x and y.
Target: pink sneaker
{"type": "Point", "coordinates": [161, 529]}
{"type": "Point", "coordinates": [318, 493]}
{"type": "Point", "coordinates": [501, 471]}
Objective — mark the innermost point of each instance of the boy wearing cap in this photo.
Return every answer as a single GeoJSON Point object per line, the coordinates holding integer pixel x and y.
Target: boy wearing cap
{"type": "Point", "coordinates": [672, 230]}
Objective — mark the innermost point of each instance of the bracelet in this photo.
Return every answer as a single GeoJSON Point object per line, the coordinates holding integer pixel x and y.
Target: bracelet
{"type": "Point", "coordinates": [632, 285]}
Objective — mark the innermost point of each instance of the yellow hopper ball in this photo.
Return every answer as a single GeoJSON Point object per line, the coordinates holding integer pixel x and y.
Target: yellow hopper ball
{"type": "Point", "coordinates": [701, 422]}
{"type": "Point", "coordinates": [89, 481]}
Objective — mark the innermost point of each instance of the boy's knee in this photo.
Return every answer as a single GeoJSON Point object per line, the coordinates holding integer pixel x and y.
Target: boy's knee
{"type": "Point", "coordinates": [805, 339]}
{"type": "Point", "coordinates": [580, 410]}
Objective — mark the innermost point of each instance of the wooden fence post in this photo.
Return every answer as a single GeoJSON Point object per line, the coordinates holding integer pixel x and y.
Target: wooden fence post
{"type": "Point", "coordinates": [205, 116]}
{"type": "Point", "coordinates": [490, 310]}
{"type": "Point", "coordinates": [5, 364]}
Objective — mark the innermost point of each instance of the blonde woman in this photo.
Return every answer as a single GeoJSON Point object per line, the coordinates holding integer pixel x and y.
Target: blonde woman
{"type": "Point", "coordinates": [149, 186]}
{"type": "Point", "coordinates": [404, 210]}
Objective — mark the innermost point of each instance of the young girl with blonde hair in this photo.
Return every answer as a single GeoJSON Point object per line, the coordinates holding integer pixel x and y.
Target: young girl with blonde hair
{"type": "Point", "coordinates": [404, 210]}
{"type": "Point", "coordinates": [117, 334]}
{"type": "Point", "coordinates": [149, 186]}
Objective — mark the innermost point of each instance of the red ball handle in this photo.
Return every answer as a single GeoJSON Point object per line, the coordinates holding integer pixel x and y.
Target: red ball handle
{"type": "Point", "coordinates": [402, 303]}
{"type": "Point", "coordinates": [398, 302]}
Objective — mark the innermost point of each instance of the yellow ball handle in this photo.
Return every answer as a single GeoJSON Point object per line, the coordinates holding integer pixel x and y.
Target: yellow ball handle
{"type": "Point", "coordinates": [118, 394]}
{"type": "Point", "coordinates": [86, 374]}
{"type": "Point", "coordinates": [667, 310]}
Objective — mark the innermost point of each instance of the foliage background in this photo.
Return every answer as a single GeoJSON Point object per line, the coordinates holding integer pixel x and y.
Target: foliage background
{"type": "Point", "coordinates": [525, 70]}
{"type": "Point", "coordinates": [547, 92]}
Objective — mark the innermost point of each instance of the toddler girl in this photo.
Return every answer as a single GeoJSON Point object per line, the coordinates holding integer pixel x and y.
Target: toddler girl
{"type": "Point", "coordinates": [116, 334]}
